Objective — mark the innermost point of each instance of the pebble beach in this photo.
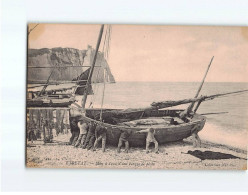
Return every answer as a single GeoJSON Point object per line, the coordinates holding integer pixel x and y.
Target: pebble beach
{"type": "Point", "coordinates": [171, 156]}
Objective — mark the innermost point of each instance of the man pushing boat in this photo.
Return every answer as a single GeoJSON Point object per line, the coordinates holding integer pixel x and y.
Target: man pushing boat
{"type": "Point", "coordinates": [83, 127]}
{"type": "Point", "coordinates": [100, 134]}
{"type": "Point", "coordinates": [150, 139]}
{"type": "Point", "coordinates": [90, 138]}
{"type": "Point", "coordinates": [125, 134]}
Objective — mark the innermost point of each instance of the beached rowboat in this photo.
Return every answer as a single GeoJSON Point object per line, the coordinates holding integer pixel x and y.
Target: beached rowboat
{"type": "Point", "coordinates": [165, 132]}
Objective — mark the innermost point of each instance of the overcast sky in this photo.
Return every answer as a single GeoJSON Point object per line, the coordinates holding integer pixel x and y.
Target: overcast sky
{"type": "Point", "coordinates": [159, 53]}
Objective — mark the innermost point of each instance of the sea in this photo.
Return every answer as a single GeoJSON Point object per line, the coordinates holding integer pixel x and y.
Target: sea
{"type": "Point", "coordinates": [229, 129]}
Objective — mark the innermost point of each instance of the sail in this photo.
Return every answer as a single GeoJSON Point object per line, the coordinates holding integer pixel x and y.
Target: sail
{"type": "Point", "coordinates": [82, 78]}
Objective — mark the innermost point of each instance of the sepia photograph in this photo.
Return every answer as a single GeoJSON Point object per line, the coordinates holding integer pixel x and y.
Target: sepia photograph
{"type": "Point", "coordinates": [101, 96]}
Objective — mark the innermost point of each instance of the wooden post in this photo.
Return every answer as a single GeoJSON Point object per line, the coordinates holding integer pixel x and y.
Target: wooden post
{"type": "Point", "coordinates": [62, 126]}
{"type": "Point", "coordinates": [197, 106]}
{"type": "Point", "coordinates": [43, 125]}
{"type": "Point", "coordinates": [50, 123]}
{"type": "Point", "coordinates": [31, 116]}
{"type": "Point", "coordinates": [38, 124]}
{"type": "Point", "coordinates": [58, 118]}
{"type": "Point", "coordinates": [38, 119]}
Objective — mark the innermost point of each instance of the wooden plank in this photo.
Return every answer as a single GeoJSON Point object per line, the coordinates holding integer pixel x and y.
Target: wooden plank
{"type": "Point", "coordinates": [52, 82]}
{"type": "Point", "coordinates": [49, 108]}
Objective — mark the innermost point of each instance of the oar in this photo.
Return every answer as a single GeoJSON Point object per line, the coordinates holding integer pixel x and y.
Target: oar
{"type": "Point", "coordinates": [47, 83]}
{"type": "Point", "coordinates": [214, 113]}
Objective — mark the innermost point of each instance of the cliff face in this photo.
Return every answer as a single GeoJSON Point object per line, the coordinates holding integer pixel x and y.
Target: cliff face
{"type": "Point", "coordinates": [65, 57]}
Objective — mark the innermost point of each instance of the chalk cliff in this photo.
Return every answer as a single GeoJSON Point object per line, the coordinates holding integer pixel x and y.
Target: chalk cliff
{"type": "Point", "coordinates": [65, 57]}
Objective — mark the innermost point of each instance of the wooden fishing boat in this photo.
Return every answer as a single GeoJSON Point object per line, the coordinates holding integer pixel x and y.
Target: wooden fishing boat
{"type": "Point", "coordinates": [165, 132]}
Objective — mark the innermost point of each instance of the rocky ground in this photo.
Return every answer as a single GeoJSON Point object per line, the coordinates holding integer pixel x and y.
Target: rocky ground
{"type": "Point", "coordinates": [171, 156]}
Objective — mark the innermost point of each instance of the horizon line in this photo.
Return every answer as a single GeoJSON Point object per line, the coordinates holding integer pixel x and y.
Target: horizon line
{"type": "Point", "coordinates": [188, 81]}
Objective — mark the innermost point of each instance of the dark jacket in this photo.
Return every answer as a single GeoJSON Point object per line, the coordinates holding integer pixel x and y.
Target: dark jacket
{"type": "Point", "coordinates": [125, 135]}
{"type": "Point", "coordinates": [74, 126]}
{"type": "Point", "coordinates": [92, 128]}
{"type": "Point", "coordinates": [100, 130]}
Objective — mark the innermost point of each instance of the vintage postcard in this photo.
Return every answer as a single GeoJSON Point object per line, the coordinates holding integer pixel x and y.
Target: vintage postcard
{"type": "Point", "coordinates": [136, 97]}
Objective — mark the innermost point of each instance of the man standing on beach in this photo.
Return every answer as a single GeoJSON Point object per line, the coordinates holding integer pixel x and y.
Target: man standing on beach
{"type": "Point", "coordinates": [90, 138]}
{"type": "Point", "coordinates": [150, 139]}
{"type": "Point", "coordinates": [101, 134]}
{"type": "Point", "coordinates": [195, 136]}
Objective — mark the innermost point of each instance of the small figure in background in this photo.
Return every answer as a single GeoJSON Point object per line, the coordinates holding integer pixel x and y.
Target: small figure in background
{"type": "Point", "coordinates": [195, 136]}
{"type": "Point", "coordinates": [31, 134]}
{"type": "Point", "coordinates": [125, 134]}
{"type": "Point", "coordinates": [150, 139]}
{"type": "Point", "coordinates": [83, 127]}
{"type": "Point", "coordinates": [101, 134]}
{"type": "Point", "coordinates": [74, 131]}
{"type": "Point", "coordinates": [90, 138]}
{"type": "Point", "coordinates": [38, 135]}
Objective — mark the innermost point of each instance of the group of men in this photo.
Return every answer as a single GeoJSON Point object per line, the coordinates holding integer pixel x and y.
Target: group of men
{"type": "Point", "coordinates": [87, 135]}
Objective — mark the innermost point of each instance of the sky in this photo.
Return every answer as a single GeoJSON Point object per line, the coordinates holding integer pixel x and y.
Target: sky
{"type": "Point", "coordinates": [158, 53]}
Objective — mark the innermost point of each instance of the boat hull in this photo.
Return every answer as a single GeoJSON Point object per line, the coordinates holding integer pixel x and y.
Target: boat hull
{"type": "Point", "coordinates": [163, 134]}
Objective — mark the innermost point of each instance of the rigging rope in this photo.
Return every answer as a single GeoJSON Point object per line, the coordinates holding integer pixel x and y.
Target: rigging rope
{"type": "Point", "coordinates": [105, 51]}
{"type": "Point", "coordinates": [105, 70]}
{"type": "Point", "coordinates": [104, 76]}
{"type": "Point", "coordinates": [97, 86]}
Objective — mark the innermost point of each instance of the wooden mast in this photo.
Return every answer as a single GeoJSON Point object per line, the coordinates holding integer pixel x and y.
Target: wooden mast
{"type": "Point", "coordinates": [200, 87]}
{"type": "Point", "coordinates": [189, 109]}
{"type": "Point", "coordinates": [92, 67]}
{"type": "Point", "coordinates": [104, 78]}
